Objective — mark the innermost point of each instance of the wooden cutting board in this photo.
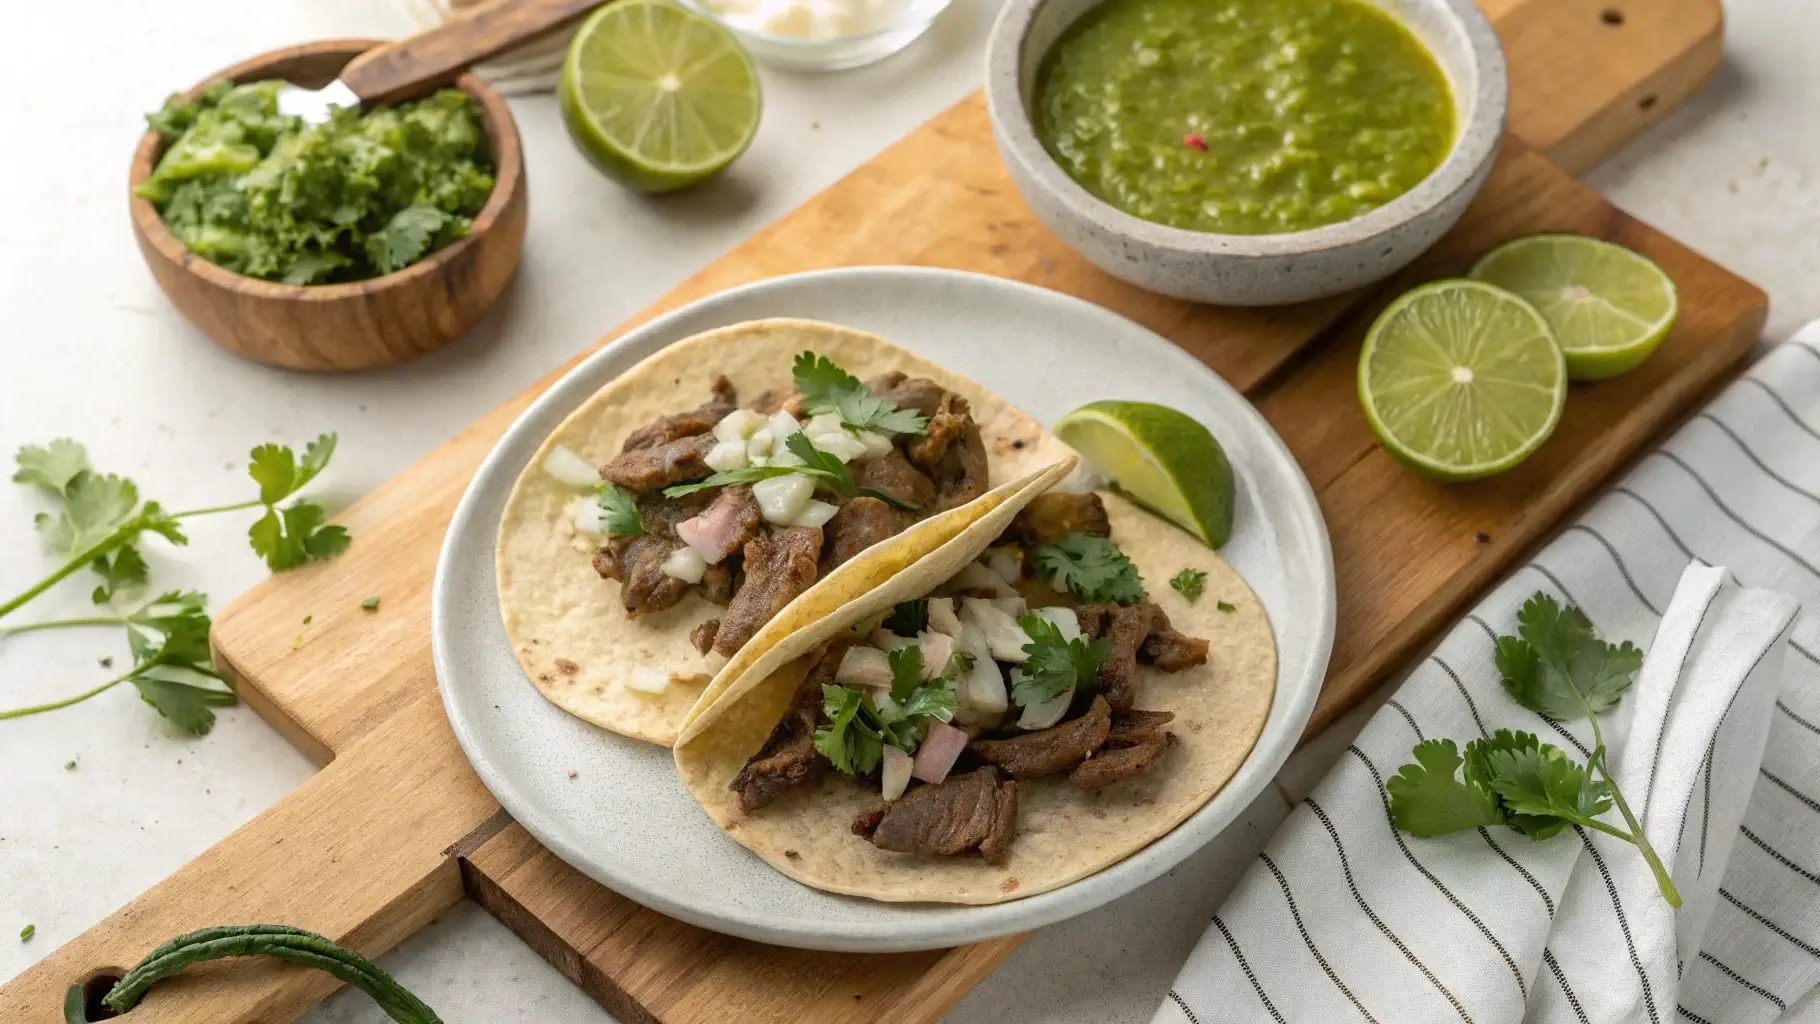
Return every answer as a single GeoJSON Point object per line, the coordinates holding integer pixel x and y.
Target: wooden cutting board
{"type": "Point", "coordinates": [396, 827]}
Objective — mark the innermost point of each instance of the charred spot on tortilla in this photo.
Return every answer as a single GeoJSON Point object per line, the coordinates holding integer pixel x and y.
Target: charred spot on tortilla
{"type": "Point", "coordinates": [567, 667]}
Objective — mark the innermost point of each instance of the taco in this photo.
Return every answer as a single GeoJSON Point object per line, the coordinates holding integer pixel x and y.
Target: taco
{"type": "Point", "coordinates": [651, 538]}
{"type": "Point", "coordinates": [1028, 704]}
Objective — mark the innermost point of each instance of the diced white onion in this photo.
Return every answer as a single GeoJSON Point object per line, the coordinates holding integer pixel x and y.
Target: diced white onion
{"type": "Point", "coordinates": [782, 425]}
{"type": "Point", "coordinates": [895, 774]}
{"type": "Point", "coordinates": [567, 465]}
{"type": "Point", "coordinates": [942, 618]}
{"type": "Point", "coordinates": [1007, 563]}
{"type": "Point", "coordinates": [758, 446]}
{"type": "Point", "coordinates": [588, 516]}
{"type": "Point", "coordinates": [686, 564]}
{"type": "Point", "coordinates": [938, 649]}
{"type": "Point", "coordinates": [815, 513]}
{"type": "Point", "coordinates": [646, 679]}
{"type": "Point", "coordinates": [1066, 621]}
{"type": "Point", "coordinates": [727, 455]}
{"type": "Point", "coordinates": [738, 425]}
{"type": "Point", "coordinates": [1004, 637]}
{"type": "Point", "coordinates": [887, 708]}
{"type": "Point", "coordinates": [1046, 714]}
{"type": "Point", "coordinates": [941, 746]}
{"type": "Point", "coordinates": [982, 688]}
{"type": "Point", "coordinates": [824, 423]}
{"type": "Point", "coordinates": [885, 640]}
{"type": "Point", "coordinates": [841, 445]}
{"type": "Point", "coordinates": [1057, 584]}
{"type": "Point", "coordinates": [974, 576]}
{"type": "Point", "coordinates": [1012, 606]}
{"type": "Point", "coordinates": [783, 498]}
{"type": "Point", "coordinates": [876, 443]}
{"type": "Point", "coordinates": [784, 457]}
{"type": "Point", "coordinates": [866, 667]}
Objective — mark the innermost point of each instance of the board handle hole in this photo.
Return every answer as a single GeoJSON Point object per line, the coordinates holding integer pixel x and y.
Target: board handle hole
{"type": "Point", "coordinates": [96, 985]}
{"type": "Point", "coordinates": [1612, 16]}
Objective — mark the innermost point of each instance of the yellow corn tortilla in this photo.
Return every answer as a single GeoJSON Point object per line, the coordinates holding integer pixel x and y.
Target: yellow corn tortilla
{"type": "Point", "coordinates": [1062, 834]}
{"type": "Point", "coordinates": [568, 627]}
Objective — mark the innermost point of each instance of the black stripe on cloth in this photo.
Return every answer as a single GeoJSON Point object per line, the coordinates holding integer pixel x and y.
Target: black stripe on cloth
{"type": "Point", "coordinates": [1641, 500]}
{"type": "Point", "coordinates": [1623, 570]}
{"type": "Point", "coordinates": [1183, 1003]}
{"type": "Point", "coordinates": [1690, 1015]}
{"type": "Point", "coordinates": [1804, 652]}
{"type": "Point", "coordinates": [1655, 760]}
{"type": "Point", "coordinates": [1244, 965]}
{"type": "Point", "coordinates": [1812, 804]}
{"type": "Point", "coordinates": [1548, 902]}
{"type": "Point", "coordinates": [1805, 947]}
{"type": "Point", "coordinates": [1470, 705]}
{"type": "Point", "coordinates": [1784, 406]}
{"type": "Point", "coordinates": [1712, 742]}
{"type": "Point", "coordinates": [1407, 717]}
{"type": "Point", "coordinates": [1556, 580]}
{"type": "Point", "coordinates": [1617, 906]}
{"type": "Point", "coordinates": [1706, 803]}
{"type": "Point", "coordinates": [1713, 496]}
{"type": "Point", "coordinates": [1554, 967]}
{"type": "Point", "coordinates": [1742, 980]}
{"type": "Point", "coordinates": [1780, 859]}
{"type": "Point", "coordinates": [1802, 722]}
{"type": "Point", "coordinates": [1772, 474]}
{"type": "Point", "coordinates": [1308, 940]}
{"type": "Point", "coordinates": [1803, 346]}
{"type": "Point", "coordinates": [1378, 781]}
{"type": "Point", "coordinates": [1357, 897]}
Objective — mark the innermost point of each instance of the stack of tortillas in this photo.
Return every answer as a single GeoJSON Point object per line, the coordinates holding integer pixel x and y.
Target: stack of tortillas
{"type": "Point", "coordinates": [532, 67]}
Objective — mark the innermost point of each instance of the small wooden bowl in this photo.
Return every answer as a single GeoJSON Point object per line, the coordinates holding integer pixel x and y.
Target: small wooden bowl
{"type": "Point", "coordinates": [354, 326]}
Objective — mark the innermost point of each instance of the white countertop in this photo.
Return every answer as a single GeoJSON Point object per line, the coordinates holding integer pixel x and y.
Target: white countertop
{"type": "Point", "coordinates": [92, 350]}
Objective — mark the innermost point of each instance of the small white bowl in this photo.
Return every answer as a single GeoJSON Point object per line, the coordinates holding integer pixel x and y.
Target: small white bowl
{"type": "Point", "coordinates": [788, 53]}
{"type": "Point", "coordinates": [1252, 270]}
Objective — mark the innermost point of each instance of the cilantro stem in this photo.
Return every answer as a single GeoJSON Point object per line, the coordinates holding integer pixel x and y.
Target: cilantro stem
{"type": "Point", "coordinates": [1663, 881]}
{"type": "Point", "coordinates": [212, 509]}
{"type": "Point", "coordinates": [32, 627]}
{"type": "Point", "coordinates": [101, 547]}
{"type": "Point", "coordinates": [67, 701]}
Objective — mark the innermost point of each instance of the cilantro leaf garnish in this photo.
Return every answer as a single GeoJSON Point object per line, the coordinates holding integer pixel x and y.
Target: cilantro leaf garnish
{"type": "Point", "coordinates": [906, 670]}
{"type": "Point", "coordinates": [94, 506]}
{"type": "Point", "coordinates": [51, 467]}
{"type": "Point", "coordinates": [292, 536]}
{"type": "Point", "coordinates": [622, 517]}
{"type": "Point", "coordinates": [1190, 583]}
{"type": "Point", "coordinates": [908, 618]}
{"type": "Point", "coordinates": [859, 725]}
{"type": "Point", "coordinates": [172, 667]}
{"type": "Point", "coordinates": [1559, 668]}
{"type": "Point", "coordinates": [1093, 568]}
{"type": "Point", "coordinates": [1227, 606]}
{"type": "Point", "coordinates": [406, 237]}
{"type": "Point", "coordinates": [847, 741]}
{"type": "Point", "coordinates": [124, 569]}
{"type": "Point", "coordinates": [821, 465]}
{"type": "Point", "coordinates": [828, 388]}
{"type": "Point", "coordinates": [1055, 664]}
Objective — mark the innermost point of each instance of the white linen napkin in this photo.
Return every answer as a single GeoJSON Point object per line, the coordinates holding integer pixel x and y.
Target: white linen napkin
{"type": "Point", "coordinates": [1717, 746]}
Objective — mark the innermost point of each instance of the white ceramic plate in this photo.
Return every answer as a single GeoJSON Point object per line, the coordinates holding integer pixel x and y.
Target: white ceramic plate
{"type": "Point", "coordinates": [624, 818]}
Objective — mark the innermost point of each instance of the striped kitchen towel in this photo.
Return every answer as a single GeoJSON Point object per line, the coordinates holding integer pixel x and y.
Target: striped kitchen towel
{"type": "Point", "coordinates": [1717, 745]}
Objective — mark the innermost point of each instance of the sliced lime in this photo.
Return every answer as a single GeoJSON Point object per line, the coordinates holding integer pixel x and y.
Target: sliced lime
{"type": "Point", "coordinates": [1165, 460]}
{"type": "Point", "coordinates": [657, 96]}
{"type": "Point", "coordinates": [1461, 379]}
{"type": "Point", "coordinates": [1609, 307]}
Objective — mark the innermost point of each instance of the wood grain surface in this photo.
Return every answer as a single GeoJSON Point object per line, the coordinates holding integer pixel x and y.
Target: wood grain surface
{"type": "Point", "coordinates": [360, 324]}
{"type": "Point", "coordinates": [410, 67]}
{"type": "Point", "coordinates": [396, 827]}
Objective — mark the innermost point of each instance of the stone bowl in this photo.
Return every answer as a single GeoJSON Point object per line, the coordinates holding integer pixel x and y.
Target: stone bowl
{"type": "Point", "coordinates": [1252, 270]}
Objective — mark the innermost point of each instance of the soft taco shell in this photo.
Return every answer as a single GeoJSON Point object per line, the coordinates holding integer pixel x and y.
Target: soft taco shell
{"type": "Point", "coordinates": [567, 625]}
{"type": "Point", "coordinates": [1062, 835]}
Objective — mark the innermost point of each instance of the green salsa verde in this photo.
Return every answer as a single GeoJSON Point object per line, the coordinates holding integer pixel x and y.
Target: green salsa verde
{"type": "Point", "coordinates": [1243, 117]}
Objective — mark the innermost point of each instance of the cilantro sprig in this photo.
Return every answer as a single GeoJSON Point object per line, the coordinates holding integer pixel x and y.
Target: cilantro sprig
{"type": "Point", "coordinates": [98, 521]}
{"type": "Point", "coordinates": [1558, 667]}
{"type": "Point", "coordinates": [1055, 664]}
{"type": "Point", "coordinates": [619, 511]}
{"type": "Point", "coordinates": [822, 466]}
{"type": "Point", "coordinates": [1093, 568]}
{"type": "Point", "coordinates": [828, 388]}
{"type": "Point", "coordinates": [908, 618]}
{"type": "Point", "coordinates": [860, 726]}
{"type": "Point", "coordinates": [1190, 583]}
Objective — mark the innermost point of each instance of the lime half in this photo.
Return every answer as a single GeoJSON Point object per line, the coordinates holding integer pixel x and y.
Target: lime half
{"type": "Point", "coordinates": [656, 96]}
{"type": "Point", "coordinates": [1165, 460]}
{"type": "Point", "coordinates": [1609, 307]}
{"type": "Point", "coordinates": [1460, 379]}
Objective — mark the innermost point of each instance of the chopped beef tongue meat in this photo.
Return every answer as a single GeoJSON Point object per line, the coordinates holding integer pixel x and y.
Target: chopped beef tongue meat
{"type": "Point", "coordinates": [860, 523]}
{"type": "Point", "coordinates": [717, 583]}
{"type": "Point", "coordinates": [894, 475]}
{"type": "Point", "coordinates": [660, 465]}
{"type": "Point", "coordinates": [702, 636]}
{"type": "Point", "coordinates": [789, 758]}
{"type": "Point", "coordinates": [1052, 750]}
{"type": "Point", "coordinates": [1137, 726]}
{"type": "Point", "coordinates": [780, 563]}
{"type": "Point", "coordinates": [919, 393]}
{"type": "Point", "coordinates": [1119, 763]}
{"type": "Point", "coordinates": [975, 811]}
{"type": "Point", "coordinates": [730, 520]}
{"type": "Point", "coordinates": [769, 402]}
{"type": "Point", "coordinates": [1132, 630]}
{"type": "Point", "coordinates": [688, 424]}
{"type": "Point", "coordinates": [953, 454]}
{"type": "Point", "coordinates": [637, 561]}
{"type": "Point", "coordinates": [1050, 517]}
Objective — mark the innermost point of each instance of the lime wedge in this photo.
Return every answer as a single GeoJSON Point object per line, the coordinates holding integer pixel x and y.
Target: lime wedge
{"type": "Point", "coordinates": [656, 96]}
{"type": "Point", "coordinates": [1165, 460]}
{"type": "Point", "coordinates": [1609, 307]}
{"type": "Point", "coordinates": [1460, 379]}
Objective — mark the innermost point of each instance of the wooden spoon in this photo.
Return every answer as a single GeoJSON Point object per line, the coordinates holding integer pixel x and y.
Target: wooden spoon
{"type": "Point", "coordinates": [397, 70]}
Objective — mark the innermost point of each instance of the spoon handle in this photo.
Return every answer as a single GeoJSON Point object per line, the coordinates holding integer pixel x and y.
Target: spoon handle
{"type": "Point", "coordinates": [397, 70]}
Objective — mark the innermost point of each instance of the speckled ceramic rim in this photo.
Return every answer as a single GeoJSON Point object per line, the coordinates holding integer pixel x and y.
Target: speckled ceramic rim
{"type": "Point", "coordinates": [1282, 526]}
{"type": "Point", "coordinates": [1477, 138]}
